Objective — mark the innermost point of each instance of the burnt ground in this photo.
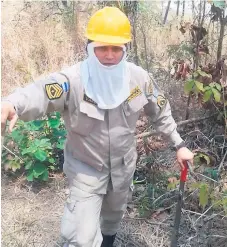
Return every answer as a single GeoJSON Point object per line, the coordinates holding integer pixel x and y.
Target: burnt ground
{"type": "Point", "coordinates": [31, 212]}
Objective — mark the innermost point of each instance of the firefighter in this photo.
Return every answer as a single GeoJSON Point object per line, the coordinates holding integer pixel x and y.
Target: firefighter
{"type": "Point", "coordinates": [100, 100]}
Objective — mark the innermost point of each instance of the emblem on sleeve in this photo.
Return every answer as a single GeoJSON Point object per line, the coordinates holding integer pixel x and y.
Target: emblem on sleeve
{"type": "Point", "coordinates": [65, 87]}
{"type": "Point", "coordinates": [53, 91]}
{"type": "Point", "coordinates": [161, 101]}
{"type": "Point", "coordinates": [134, 93]}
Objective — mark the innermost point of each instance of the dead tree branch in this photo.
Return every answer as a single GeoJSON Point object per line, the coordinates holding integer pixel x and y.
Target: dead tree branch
{"type": "Point", "coordinates": [192, 120]}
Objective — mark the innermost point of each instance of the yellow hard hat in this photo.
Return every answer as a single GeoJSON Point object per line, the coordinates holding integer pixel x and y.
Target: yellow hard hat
{"type": "Point", "coordinates": [109, 25]}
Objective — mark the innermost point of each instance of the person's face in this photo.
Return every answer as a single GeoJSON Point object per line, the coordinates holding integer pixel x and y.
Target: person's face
{"type": "Point", "coordinates": [109, 55]}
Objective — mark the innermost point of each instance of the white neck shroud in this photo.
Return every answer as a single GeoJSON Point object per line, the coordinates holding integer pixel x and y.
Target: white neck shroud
{"type": "Point", "coordinates": [108, 86]}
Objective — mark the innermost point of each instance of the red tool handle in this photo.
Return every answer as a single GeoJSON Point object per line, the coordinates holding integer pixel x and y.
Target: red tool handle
{"type": "Point", "coordinates": [184, 172]}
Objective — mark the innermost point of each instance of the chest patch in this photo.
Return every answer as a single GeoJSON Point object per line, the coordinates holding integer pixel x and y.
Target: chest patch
{"type": "Point", "coordinates": [134, 93]}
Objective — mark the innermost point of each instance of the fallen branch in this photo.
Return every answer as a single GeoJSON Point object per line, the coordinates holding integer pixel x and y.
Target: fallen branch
{"type": "Point", "coordinates": [203, 214]}
{"type": "Point", "coordinates": [12, 153]}
{"type": "Point", "coordinates": [192, 120]}
{"type": "Point", "coordinates": [218, 236]}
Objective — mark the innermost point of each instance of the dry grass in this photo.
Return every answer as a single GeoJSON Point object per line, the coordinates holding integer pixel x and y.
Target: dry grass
{"type": "Point", "coordinates": [31, 217]}
{"type": "Point", "coordinates": [138, 233]}
{"type": "Point", "coordinates": [34, 45]}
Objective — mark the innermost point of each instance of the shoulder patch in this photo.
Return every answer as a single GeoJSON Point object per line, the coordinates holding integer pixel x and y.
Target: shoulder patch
{"type": "Point", "coordinates": [161, 101]}
{"type": "Point", "coordinates": [53, 91]}
{"type": "Point", "coordinates": [134, 93]}
{"type": "Point", "coordinates": [89, 100]}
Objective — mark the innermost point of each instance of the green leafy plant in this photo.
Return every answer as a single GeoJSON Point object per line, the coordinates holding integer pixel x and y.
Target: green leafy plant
{"type": "Point", "coordinates": [199, 86]}
{"type": "Point", "coordinates": [35, 146]}
{"type": "Point", "coordinates": [201, 157]}
{"type": "Point", "coordinates": [203, 193]}
{"type": "Point", "coordinates": [172, 183]}
{"type": "Point", "coordinates": [207, 193]}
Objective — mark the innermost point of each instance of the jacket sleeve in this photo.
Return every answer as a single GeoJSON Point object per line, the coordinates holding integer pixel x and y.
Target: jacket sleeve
{"type": "Point", "coordinates": [158, 109]}
{"type": "Point", "coordinates": [41, 97]}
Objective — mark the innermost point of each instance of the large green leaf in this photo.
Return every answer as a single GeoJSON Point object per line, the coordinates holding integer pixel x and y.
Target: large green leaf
{"type": "Point", "coordinates": [217, 94]}
{"type": "Point", "coordinates": [36, 175]}
{"type": "Point", "coordinates": [43, 143]}
{"type": "Point", "coordinates": [188, 86]}
{"type": "Point", "coordinates": [28, 165]}
{"type": "Point", "coordinates": [40, 155]}
{"type": "Point", "coordinates": [61, 132]}
{"type": "Point", "coordinates": [212, 84]}
{"type": "Point", "coordinates": [206, 88]}
{"type": "Point", "coordinates": [207, 95]}
{"type": "Point", "coordinates": [203, 195]}
{"type": "Point", "coordinates": [39, 168]}
{"type": "Point", "coordinates": [37, 125]}
{"type": "Point", "coordinates": [218, 86]}
{"type": "Point", "coordinates": [199, 85]}
{"type": "Point", "coordinates": [17, 136]}
{"type": "Point", "coordinates": [54, 122]}
{"type": "Point", "coordinates": [61, 143]}
{"type": "Point", "coordinates": [45, 175]}
{"type": "Point", "coordinates": [30, 176]}
{"type": "Point", "coordinates": [202, 73]}
{"type": "Point", "coordinates": [31, 149]}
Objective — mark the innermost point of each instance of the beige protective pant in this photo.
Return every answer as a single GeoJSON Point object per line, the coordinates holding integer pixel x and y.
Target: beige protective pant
{"type": "Point", "coordinates": [82, 225]}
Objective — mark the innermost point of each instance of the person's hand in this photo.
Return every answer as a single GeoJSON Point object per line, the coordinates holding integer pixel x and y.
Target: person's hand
{"type": "Point", "coordinates": [8, 113]}
{"type": "Point", "coordinates": [184, 154]}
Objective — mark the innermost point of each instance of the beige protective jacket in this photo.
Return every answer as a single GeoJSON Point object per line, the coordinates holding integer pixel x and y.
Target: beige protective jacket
{"type": "Point", "coordinates": [100, 145]}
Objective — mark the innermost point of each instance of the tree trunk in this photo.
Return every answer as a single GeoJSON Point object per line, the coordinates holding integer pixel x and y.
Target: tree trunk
{"type": "Point", "coordinates": [74, 27]}
{"type": "Point", "coordinates": [145, 47]}
{"type": "Point", "coordinates": [200, 9]}
{"type": "Point", "coordinates": [134, 33]}
{"type": "Point", "coordinates": [195, 61]}
{"type": "Point", "coordinates": [221, 36]}
{"type": "Point", "coordinates": [203, 14]}
{"type": "Point", "coordinates": [183, 9]}
{"type": "Point", "coordinates": [178, 7]}
{"type": "Point", "coordinates": [167, 11]}
{"type": "Point", "coordinates": [193, 10]}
